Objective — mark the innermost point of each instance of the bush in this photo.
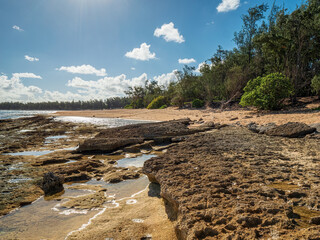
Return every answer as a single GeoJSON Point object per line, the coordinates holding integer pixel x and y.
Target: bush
{"type": "Point", "coordinates": [315, 84]}
{"type": "Point", "coordinates": [163, 107]}
{"type": "Point", "coordinates": [157, 102]}
{"type": "Point", "coordinates": [128, 106]}
{"type": "Point", "coordinates": [197, 103]}
{"type": "Point", "coordinates": [267, 92]}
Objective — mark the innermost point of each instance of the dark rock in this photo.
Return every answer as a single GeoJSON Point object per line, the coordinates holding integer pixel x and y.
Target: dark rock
{"type": "Point", "coordinates": [296, 195]}
{"type": "Point", "coordinates": [249, 222]}
{"type": "Point", "coordinates": [51, 183]}
{"type": "Point", "coordinates": [315, 220]}
{"type": "Point", "coordinates": [291, 129]}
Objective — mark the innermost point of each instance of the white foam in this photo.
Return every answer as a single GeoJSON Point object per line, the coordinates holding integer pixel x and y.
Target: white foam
{"type": "Point", "coordinates": [131, 201]}
{"type": "Point", "coordinates": [137, 220]}
{"type": "Point", "coordinates": [73, 211]}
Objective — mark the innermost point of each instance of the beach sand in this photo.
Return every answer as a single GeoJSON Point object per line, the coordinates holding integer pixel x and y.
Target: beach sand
{"type": "Point", "coordinates": [243, 116]}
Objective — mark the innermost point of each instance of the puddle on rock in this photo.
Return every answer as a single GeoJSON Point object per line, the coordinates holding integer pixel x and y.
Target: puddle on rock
{"type": "Point", "coordinates": [52, 139]}
{"type": "Point", "coordinates": [46, 219]}
{"type": "Point", "coordinates": [30, 153]}
{"type": "Point", "coordinates": [134, 162]}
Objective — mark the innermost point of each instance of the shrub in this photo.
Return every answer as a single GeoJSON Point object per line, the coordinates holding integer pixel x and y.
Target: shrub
{"type": "Point", "coordinates": [157, 102]}
{"type": "Point", "coordinates": [129, 106]}
{"type": "Point", "coordinates": [163, 107]}
{"type": "Point", "coordinates": [197, 103]}
{"type": "Point", "coordinates": [267, 92]}
{"type": "Point", "coordinates": [315, 84]}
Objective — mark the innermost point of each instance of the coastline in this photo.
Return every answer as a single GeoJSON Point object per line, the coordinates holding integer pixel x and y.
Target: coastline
{"type": "Point", "coordinates": [241, 116]}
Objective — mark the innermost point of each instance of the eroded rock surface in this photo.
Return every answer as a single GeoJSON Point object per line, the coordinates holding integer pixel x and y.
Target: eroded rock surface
{"type": "Point", "coordinates": [112, 139]}
{"type": "Point", "coordinates": [235, 184]}
{"type": "Point", "coordinates": [291, 129]}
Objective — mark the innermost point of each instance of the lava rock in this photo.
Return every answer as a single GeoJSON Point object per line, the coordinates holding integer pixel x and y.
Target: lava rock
{"type": "Point", "coordinates": [51, 183]}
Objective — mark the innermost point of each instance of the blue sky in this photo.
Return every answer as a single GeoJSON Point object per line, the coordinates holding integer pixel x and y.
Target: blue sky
{"type": "Point", "coordinates": [85, 49]}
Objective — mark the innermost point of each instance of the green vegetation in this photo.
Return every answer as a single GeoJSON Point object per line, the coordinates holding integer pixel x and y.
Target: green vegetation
{"type": "Point", "coordinates": [267, 92]}
{"type": "Point", "coordinates": [315, 84]}
{"type": "Point", "coordinates": [156, 103]}
{"type": "Point", "coordinates": [163, 106]}
{"type": "Point", "coordinates": [197, 103]}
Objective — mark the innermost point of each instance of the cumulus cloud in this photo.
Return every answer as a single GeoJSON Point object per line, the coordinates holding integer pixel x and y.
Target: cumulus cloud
{"type": "Point", "coordinates": [14, 90]}
{"type": "Point", "coordinates": [133, 68]}
{"type": "Point", "coordinates": [107, 86]}
{"type": "Point", "coordinates": [143, 53]}
{"type": "Point", "coordinates": [228, 5]}
{"type": "Point", "coordinates": [166, 79]}
{"type": "Point", "coordinates": [17, 28]}
{"type": "Point", "coordinates": [31, 59]}
{"type": "Point", "coordinates": [84, 69]}
{"type": "Point", "coordinates": [26, 75]}
{"type": "Point", "coordinates": [169, 33]}
{"type": "Point", "coordinates": [187, 60]}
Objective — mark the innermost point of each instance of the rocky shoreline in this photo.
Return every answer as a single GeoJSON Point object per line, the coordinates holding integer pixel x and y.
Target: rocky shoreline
{"type": "Point", "coordinates": [234, 183]}
{"type": "Point", "coordinates": [217, 181]}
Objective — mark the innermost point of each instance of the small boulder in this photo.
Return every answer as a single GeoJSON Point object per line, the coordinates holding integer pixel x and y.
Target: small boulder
{"type": "Point", "coordinates": [51, 183]}
{"type": "Point", "coordinates": [291, 130]}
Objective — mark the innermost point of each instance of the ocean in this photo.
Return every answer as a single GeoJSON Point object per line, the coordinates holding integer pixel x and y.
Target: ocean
{"type": "Point", "coordinates": [6, 114]}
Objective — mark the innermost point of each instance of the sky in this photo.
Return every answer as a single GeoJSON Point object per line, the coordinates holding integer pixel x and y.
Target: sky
{"type": "Point", "coordinates": [64, 50]}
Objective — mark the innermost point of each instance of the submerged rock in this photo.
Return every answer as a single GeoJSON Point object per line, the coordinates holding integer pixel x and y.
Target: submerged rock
{"type": "Point", "coordinates": [51, 183]}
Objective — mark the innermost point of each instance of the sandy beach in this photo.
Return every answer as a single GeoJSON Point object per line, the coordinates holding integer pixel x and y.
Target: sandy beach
{"type": "Point", "coordinates": [242, 116]}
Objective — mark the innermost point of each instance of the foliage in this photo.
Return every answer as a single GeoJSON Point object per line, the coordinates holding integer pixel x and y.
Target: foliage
{"type": "Point", "coordinates": [197, 103]}
{"type": "Point", "coordinates": [267, 92]}
{"type": "Point", "coordinates": [163, 106]}
{"type": "Point", "coordinates": [315, 84]}
{"type": "Point", "coordinates": [157, 102]}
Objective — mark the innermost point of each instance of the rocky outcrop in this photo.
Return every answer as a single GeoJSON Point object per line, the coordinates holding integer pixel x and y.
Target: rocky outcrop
{"type": "Point", "coordinates": [51, 183]}
{"type": "Point", "coordinates": [291, 130]}
{"type": "Point", "coordinates": [234, 184]}
{"type": "Point", "coordinates": [112, 139]}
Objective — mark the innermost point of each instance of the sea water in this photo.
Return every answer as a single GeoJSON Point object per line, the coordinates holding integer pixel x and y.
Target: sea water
{"type": "Point", "coordinates": [6, 114]}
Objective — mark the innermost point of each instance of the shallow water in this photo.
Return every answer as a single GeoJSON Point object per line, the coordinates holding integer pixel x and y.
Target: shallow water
{"type": "Point", "coordinates": [109, 122]}
{"type": "Point", "coordinates": [6, 114]}
{"type": "Point", "coordinates": [134, 162]}
{"type": "Point", "coordinates": [47, 220]}
{"type": "Point", "coordinates": [30, 153]}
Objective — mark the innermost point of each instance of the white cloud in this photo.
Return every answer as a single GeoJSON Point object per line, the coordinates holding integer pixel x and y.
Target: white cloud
{"type": "Point", "coordinates": [228, 5]}
{"type": "Point", "coordinates": [169, 33]}
{"type": "Point", "coordinates": [143, 53]}
{"type": "Point", "coordinates": [17, 28]}
{"type": "Point", "coordinates": [165, 79]}
{"type": "Point", "coordinates": [84, 69]}
{"type": "Point", "coordinates": [31, 59]}
{"type": "Point", "coordinates": [133, 68]}
{"type": "Point", "coordinates": [210, 23]}
{"type": "Point", "coordinates": [107, 86]}
{"type": "Point", "coordinates": [14, 90]}
{"type": "Point", "coordinates": [25, 75]}
{"type": "Point", "coordinates": [187, 60]}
